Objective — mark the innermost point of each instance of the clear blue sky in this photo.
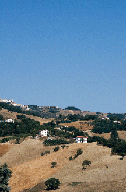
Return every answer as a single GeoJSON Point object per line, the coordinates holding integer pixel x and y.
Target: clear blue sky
{"type": "Point", "coordinates": [63, 53]}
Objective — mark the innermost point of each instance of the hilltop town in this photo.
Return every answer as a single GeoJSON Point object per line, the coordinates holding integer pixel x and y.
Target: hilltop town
{"type": "Point", "coordinates": [55, 111]}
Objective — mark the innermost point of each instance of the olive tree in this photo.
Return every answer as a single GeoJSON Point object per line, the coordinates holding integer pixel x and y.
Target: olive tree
{"type": "Point", "coordinates": [52, 183]}
{"type": "Point", "coordinates": [85, 164]}
{"type": "Point", "coordinates": [5, 174]}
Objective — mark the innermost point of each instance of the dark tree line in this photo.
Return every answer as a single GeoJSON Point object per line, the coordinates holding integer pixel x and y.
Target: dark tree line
{"type": "Point", "coordinates": [106, 126]}
{"type": "Point", "coordinates": [55, 142]}
{"type": "Point", "coordinates": [25, 126]}
{"type": "Point", "coordinates": [17, 109]}
{"type": "Point", "coordinates": [117, 145]}
{"type": "Point", "coordinates": [79, 117]}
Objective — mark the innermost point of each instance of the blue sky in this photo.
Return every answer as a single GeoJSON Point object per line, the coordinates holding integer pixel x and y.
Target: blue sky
{"type": "Point", "coordinates": [64, 53]}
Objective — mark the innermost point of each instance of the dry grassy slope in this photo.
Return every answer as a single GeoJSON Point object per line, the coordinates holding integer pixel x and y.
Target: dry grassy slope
{"type": "Point", "coordinates": [28, 150]}
{"type": "Point", "coordinates": [97, 172]}
{"type": "Point", "coordinates": [40, 119]}
{"type": "Point", "coordinates": [4, 147]}
{"type": "Point", "coordinates": [82, 125]}
{"type": "Point", "coordinates": [106, 186]}
{"type": "Point", "coordinates": [121, 134]}
{"type": "Point", "coordinates": [96, 177]}
{"type": "Point", "coordinates": [8, 114]}
{"type": "Point", "coordinates": [28, 173]}
{"type": "Point", "coordinates": [13, 115]}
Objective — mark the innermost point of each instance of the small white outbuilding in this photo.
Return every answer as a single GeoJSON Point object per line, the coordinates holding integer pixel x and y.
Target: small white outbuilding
{"type": "Point", "coordinates": [43, 133]}
{"type": "Point", "coordinates": [81, 139]}
{"type": "Point", "coordinates": [9, 120]}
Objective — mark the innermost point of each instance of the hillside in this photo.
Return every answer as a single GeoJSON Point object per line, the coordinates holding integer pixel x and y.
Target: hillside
{"type": "Point", "coordinates": [29, 168]}
{"type": "Point", "coordinates": [106, 172]}
{"type": "Point", "coordinates": [82, 125]}
{"type": "Point", "coordinates": [13, 115]}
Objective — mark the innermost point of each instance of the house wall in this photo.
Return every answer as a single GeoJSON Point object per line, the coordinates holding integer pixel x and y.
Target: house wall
{"type": "Point", "coordinates": [9, 120]}
{"type": "Point", "coordinates": [43, 133]}
{"type": "Point", "coordinates": [79, 140]}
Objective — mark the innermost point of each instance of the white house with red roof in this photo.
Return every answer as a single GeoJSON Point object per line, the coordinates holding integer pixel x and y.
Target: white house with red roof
{"type": "Point", "coordinates": [81, 139]}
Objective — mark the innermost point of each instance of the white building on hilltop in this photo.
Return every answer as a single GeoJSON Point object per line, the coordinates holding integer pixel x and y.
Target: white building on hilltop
{"type": "Point", "coordinates": [6, 100]}
{"type": "Point", "coordinates": [43, 133]}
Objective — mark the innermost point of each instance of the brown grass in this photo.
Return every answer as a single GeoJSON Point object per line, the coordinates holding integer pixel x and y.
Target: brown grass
{"type": "Point", "coordinates": [122, 134]}
{"type": "Point", "coordinates": [4, 147]}
{"type": "Point", "coordinates": [106, 172]}
{"type": "Point", "coordinates": [82, 125]}
{"type": "Point", "coordinates": [29, 168]}
{"type": "Point", "coordinates": [13, 115]}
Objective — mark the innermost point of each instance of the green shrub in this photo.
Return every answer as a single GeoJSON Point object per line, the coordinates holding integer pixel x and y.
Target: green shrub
{"type": "Point", "coordinates": [63, 146]}
{"type": "Point", "coordinates": [4, 140]}
{"type": "Point", "coordinates": [5, 174]}
{"type": "Point", "coordinates": [75, 156]}
{"type": "Point", "coordinates": [53, 164]}
{"type": "Point", "coordinates": [52, 183]}
{"type": "Point", "coordinates": [47, 152]}
{"type": "Point", "coordinates": [17, 140]}
{"type": "Point", "coordinates": [55, 142]}
{"type": "Point", "coordinates": [79, 152]}
{"type": "Point", "coordinates": [70, 158]}
{"type": "Point", "coordinates": [85, 164]}
{"type": "Point", "coordinates": [42, 154]}
{"type": "Point", "coordinates": [56, 148]}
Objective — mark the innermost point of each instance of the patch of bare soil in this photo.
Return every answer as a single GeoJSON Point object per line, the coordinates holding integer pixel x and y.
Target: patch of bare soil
{"type": "Point", "coordinates": [122, 134]}
{"type": "Point", "coordinates": [82, 125]}
{"type": "Point", "coordinates": [4, 148]}
{"type": "Point", "coordinates": [9, 114]}
{"type": "Point", "coordinates": [104, 135]}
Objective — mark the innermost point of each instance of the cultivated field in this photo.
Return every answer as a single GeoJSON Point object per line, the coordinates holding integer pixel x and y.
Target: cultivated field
{"type": "Point", "coordinates": [106, 172]}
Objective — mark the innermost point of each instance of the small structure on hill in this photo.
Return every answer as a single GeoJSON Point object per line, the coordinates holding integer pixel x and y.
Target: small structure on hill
{"type": "Point", "coordinates": [43, 133]}
{"type": "Point", "coordinates": [9, 120]}
{"type": "Point", "coordinates": [81, 139]}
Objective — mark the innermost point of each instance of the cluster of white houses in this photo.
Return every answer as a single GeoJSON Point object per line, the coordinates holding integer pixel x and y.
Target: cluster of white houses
{"type": "Point", "coordinates": [25, 107]}
{"type": "Point", "coordinates": [79, 139]}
